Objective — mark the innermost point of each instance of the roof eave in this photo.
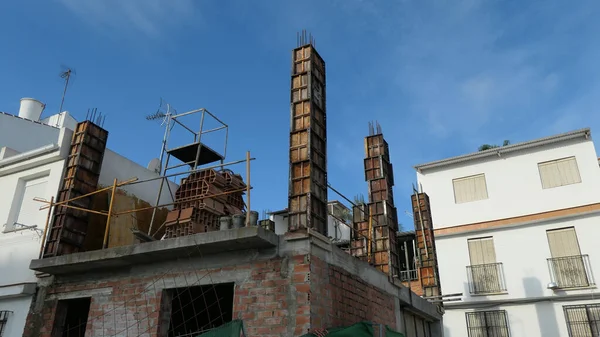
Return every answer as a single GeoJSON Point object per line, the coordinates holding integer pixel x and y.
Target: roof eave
{"type": "Point", "coordinates": [506, 149]}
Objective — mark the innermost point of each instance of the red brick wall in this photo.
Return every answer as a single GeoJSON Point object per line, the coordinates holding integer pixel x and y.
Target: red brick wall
{"type": "Point", "coordinates": [280, 297]}
{"type": "Point", "coordinates": [275, 298]}
{"type": "Point", "coordinates": [416, 285]}
{"type": "Point", "coordinates": [272, 299]}
{"type": "Point", "coordinates": [339, 298]}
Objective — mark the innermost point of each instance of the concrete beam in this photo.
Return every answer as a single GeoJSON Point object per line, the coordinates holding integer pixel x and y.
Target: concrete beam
{"type": "Point", "coordinates": [164, 250]}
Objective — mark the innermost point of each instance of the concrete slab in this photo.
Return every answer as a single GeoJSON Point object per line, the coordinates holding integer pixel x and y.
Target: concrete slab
{"type": "Point", "coordinates": [164, 250]}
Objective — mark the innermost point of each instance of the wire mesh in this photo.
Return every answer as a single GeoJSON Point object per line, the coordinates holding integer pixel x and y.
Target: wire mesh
{"type": "Point", "coordinates": [109, 320]}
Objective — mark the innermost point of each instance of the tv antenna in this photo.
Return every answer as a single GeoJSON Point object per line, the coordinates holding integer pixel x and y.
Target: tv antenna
{"type": "Point", "coordinates": [65, 74]}
{"type": "Point", "coordinates": [163, 113]}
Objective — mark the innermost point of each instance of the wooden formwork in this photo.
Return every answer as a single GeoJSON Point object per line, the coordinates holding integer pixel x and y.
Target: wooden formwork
{"type": "Point", "coordinates": [425, 244]}
{"type": "Point", "coordinates": [381, 190]}
{"type": "Point", "coordinates": [383, 215]}
{"type": "Point", "coordinates": [379, 167]}
{"type": "Point", "coordinates": [307, 203]}
{"type": "Point", "coordinates": [68, 228]}
{"type": "Point", "coordinates": [376, 146]}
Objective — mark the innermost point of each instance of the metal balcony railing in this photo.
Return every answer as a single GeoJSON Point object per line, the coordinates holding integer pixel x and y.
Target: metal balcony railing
{"type": "Point", "coordinates": [486, 278]}
{"type": "Point", "coordinates": [571, 271]}
{"type": "Point", "coordinates": [408, 275]}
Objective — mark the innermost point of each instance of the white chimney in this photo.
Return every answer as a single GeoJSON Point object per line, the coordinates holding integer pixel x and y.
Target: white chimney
{"type": "Point", "coordinates": [31, 109]}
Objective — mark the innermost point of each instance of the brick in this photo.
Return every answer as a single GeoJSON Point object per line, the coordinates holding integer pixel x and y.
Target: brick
{"type": "Point", "coordinates": [314, 295]}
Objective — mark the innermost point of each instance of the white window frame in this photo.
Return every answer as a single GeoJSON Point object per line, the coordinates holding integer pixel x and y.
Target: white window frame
{"type": "Point", "coordinates": [551, 167]}
{"type": "Point", "coordinates": [475, 195]}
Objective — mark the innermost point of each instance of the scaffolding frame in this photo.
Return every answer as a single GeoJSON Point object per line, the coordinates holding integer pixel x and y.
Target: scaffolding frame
{"type": "Point", "coordinates": [170, 121]}
{"type": "Point", "coordinates": [195, 166]}
{"type": "Point", "coordinates": [49, 205]}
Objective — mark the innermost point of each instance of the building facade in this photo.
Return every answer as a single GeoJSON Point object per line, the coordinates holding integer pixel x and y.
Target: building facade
{"type": "Point", "coordinates": [516, 231]}
{"type": "Point", "coordinates": [33, 154]}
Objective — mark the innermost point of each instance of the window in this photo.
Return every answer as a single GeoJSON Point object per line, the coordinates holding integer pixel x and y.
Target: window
{"type": "Point", "coordinates": [3, 321]}
{"type": "Point", "coordinates": [487, 324]}
{"type": "Point", "coordinates": [471, 188]}
{"type": "Point", "coordinates": [484, 273]}
{"type": "Point", "coordinates": [568, 268]}
{"type": "Point", "coordinates": [583, 320]}
{"type": "Point", "coordinates": [198, 309]}
{"type": "Point", "coordinates": [559, 172]}
{"type": "Point", "coordinates": [28, 210]}
{"type": "Point", "coordinates": [71, 317]}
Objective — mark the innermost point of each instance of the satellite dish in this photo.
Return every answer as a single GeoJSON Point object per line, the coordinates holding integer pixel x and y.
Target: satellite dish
{"type": "Point", "coordinates": [154, 165]}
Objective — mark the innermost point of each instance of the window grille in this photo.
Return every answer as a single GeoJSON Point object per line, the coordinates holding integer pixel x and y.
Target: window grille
{"type": "Point", "coordinates": [487, 324]}
{"type": "Point", "coordinates": [583, 320]}
{"type": "Point", "coordinates": [3, 321]}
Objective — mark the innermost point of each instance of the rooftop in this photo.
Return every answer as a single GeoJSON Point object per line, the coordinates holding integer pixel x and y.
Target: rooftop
{"type": "Point", "coordinates": [581, 133]}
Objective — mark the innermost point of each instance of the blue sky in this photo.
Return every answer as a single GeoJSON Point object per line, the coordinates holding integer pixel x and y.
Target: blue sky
{"type": "Point", "coordinates": [441, 77]}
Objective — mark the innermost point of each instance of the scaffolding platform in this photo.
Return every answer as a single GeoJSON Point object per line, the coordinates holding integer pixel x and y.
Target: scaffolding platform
{"type": "Point", "coordinates": [187, 154]}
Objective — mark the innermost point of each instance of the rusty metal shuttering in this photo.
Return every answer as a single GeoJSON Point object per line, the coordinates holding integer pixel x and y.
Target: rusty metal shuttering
{"type": "Point", "coordinates": [307, 202]}
{"type": "Point", "coordinates": [82, 173]}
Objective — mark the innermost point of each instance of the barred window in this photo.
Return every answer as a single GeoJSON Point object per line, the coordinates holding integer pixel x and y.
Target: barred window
{"type": "Point", "coordinates": [487, 324]}
{"type": "Point", "coordinates": [3, 321]}
{"type": "Point", "coordinates": [583, 320]}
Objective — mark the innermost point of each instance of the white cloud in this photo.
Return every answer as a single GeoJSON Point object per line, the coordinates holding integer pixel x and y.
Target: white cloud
{"type": "Point", "coordinates": [148, 17]}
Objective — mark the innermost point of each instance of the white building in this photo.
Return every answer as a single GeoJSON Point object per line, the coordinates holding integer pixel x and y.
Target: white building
{"type": "Point", "coordinates": [32, 160]}
{"type": "Point", "coordinates": [338, 230]}
{"type": "Point", "coordinates": [517, 231]}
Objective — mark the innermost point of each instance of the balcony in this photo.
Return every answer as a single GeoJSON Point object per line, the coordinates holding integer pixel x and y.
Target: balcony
{"type": "Point", "coordinates": [486, 279]}
{"type": "Point", "coordinates": [408, 275]}
{"type": "Point", "coordinates": [571, 271]}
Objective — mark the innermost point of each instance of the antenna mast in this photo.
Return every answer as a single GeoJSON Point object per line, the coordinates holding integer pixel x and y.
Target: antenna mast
{"type": "Point", "coordinates": [166, 120]}
{"type": "Point", "coordinates": [66, 75]}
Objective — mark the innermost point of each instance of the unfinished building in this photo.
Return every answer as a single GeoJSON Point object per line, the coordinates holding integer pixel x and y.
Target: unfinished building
{"type": "Point", "coordinates": [212, 264]}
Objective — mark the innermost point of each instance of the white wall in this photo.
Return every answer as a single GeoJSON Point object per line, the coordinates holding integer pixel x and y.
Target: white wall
{"type": "Point", "coordinates": [513, 184]}
{"type": "Point", "coordinates": [16, 320]}
{"type": "Point", "coordinates": [24, 135]}
{"type": "Point", "coordinates": [281, 226]}
{"type": "Point", "coordinates": [18, 248]}
{"type": "Point", "coordinates": [523, 251]}
{"type": "Point", "coordinates": [116, 166]}
{"type": "Point", "coordinates": [281, 223]}
{"type": "Point", "coordinates": [63, 119]}
{"type": "Point", "coordinates": [541, 319]}
{"type": "Point", "coordinates": [337, 229]}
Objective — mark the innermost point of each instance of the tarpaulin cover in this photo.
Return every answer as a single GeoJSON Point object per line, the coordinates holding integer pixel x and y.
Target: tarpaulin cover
{"type": "Point", "coordinates": [361, 329]}
{"type": "Point", "coordinates": [231, 329]}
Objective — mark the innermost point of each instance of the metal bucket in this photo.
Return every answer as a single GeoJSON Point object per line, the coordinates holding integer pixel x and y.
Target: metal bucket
{"type": "Point", "coordinates": [225, 223]}
{"type": "Point", "coordinates": [238, 220]}
{"type": "Point", "coordinates": [253, 218]}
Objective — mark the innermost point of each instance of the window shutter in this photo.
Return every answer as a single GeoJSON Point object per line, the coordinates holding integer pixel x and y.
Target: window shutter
{"type": "Point", "coordinates": [481, 251]}
{"type": "Point", "coordinates": [559, 172]}
{"type": "Point", "coordinates": [563, 242]}
{"type": "Point", "coordinates": [471, 188]}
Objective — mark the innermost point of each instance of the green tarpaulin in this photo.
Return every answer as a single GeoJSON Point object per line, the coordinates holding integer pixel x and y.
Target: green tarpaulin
{"type": "Point", "coordinates": [231, 329]}
{"type": "Point", "coordinates": [361, 329]}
